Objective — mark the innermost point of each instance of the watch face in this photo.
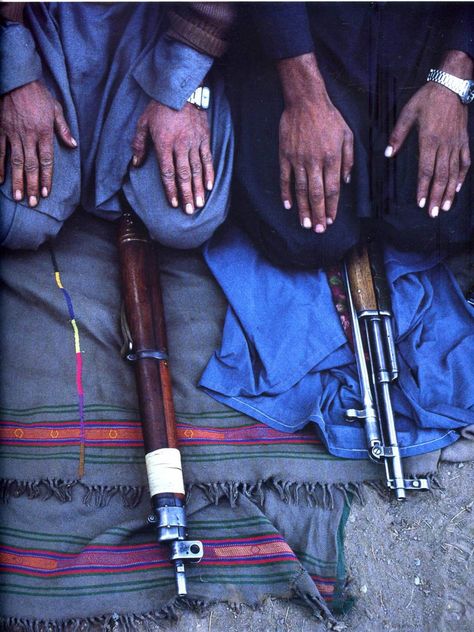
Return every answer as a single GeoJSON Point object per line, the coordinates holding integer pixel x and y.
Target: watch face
{"type": "Point", "coordinates": [468, 96]}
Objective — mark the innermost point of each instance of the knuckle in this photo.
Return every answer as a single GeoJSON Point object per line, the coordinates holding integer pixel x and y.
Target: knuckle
{"type": "Point", "coordinates": [426, 173]}
{"type": "Point", "coordinates": [31, 166]}
{"type": "Point", "coordinates": [167, 173]}
{"type": "Point", "coordinates": [196, 168]}
{"type": "Point", "coordinates": [46, 159]}
{"type": "Point", "coordinates": [206, 156]}
{"type": "Point", "coordinates": [17, 161]}
{"type": "Point", "coordinates": [330, 159]}
{"type": "Point", "coordinates": [184, 174]}
{"type": "Point", "coordinates": [317, 193]}
{"type": "Point", "coordinates": [332, 191]}
{"type": "Point", "coordinates": [301, 188]}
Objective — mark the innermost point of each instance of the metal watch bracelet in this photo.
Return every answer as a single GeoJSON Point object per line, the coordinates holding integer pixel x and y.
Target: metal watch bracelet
{"type": "Point", "coordinates": [464, 88]}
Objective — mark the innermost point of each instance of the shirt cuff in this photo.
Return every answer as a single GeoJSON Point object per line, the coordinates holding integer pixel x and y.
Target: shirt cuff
{"type": "Point", "coordinates": [20, 61]}
{"type": "Point", "coordinates": [171, 72]}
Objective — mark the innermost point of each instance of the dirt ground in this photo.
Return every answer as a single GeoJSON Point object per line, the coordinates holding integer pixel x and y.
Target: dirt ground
{"type": "Point", "coordinates": [410, 569]}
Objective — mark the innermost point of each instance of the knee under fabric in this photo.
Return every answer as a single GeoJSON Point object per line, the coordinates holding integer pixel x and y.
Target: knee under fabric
{"type": "Point", "coordinates": [22, 227]}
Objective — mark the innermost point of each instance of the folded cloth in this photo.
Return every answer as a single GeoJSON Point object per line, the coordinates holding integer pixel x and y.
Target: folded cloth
{"type": "Point", "coordinates": [285, 360]}
{"type": "Point", "coordinates": [75, 546]}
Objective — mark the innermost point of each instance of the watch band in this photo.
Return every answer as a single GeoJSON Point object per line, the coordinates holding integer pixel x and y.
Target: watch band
{"type": "Point", "coordinates": [201, 97]}
{"type": "Point", "coordinates": [464, 88]}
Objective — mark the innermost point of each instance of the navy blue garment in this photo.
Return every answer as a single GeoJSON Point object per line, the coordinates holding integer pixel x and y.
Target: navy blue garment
{"type": "Point", "coordinates": [284, 358]}
{"type": "Point", "coordinates": [373, 58]}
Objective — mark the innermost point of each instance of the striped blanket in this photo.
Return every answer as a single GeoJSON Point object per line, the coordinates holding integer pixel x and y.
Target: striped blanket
{"type": "Point", "coordinates": [269, 507]}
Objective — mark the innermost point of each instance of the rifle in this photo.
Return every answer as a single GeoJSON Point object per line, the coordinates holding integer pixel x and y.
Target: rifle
{"type": "Point", "coordinates": [370, 309]}
{"type": "Point", "coordinates": [148, 351]}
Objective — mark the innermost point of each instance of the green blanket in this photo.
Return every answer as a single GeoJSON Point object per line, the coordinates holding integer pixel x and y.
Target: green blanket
{"type": "Point", "coordinates": [269, 507]}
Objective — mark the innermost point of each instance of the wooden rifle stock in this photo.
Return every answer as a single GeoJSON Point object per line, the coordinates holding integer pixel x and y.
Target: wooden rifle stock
{"type": "Point", "coordinates": [146, 323]}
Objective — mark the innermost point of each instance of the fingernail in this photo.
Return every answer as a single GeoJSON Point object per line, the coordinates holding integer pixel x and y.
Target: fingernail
{"type": "Point", "coordinates": [189, 209]}
{"type": "Point", "coordinates": [18, 194]}
{"type": "Point", "coordinates": [388, 151]}
{"type": "Point", "coordinates": [33, 200]}
{"type": "Point", "coordinates": [422, 202]}
{"type": "Point", "coordinates": [174, 202]}
{"type": "Point", "coordinates": [434, 211]}
{"type": "Point", "coordinates": [347, 179]}
{"type": "Point", "coordinates": [209, 185]}
{"type": "Point", "coordinates": [199, 201]}
{"type": "Point", "coordinates": [287, 205]}
{"type": "Point", "coordinates": [447, 205]}
{"type": "Point", "coordinates": [329, 220]}
{"type": "Point", "coordinates": [44, 192]}
{"type": "Point", "coordinates": [306, 222]}
{"type": "Point", "coordinates": [458, 188]}
{"type": "Point", "coordinates": [74, 141]}
{"type": "Point", "coordinates": [135, 161]}
{"type": "Point", "coordinates": [319, 228]}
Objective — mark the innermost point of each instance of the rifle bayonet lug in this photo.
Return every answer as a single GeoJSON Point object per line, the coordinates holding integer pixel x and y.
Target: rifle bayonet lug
{"type": "Point", "coordinates": [352, 414]}
{"type": "Point", "coordinates": [187, 551]}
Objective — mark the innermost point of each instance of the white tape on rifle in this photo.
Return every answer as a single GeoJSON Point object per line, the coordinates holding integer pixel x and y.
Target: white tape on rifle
{"type": "Point", "coordinates": [165, 475]}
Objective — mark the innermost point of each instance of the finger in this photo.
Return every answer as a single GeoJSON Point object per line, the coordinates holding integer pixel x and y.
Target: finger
{"type": "Point", "coordinates": [46, 153]}
{"type": "Point", "coordinates": [17, 162]}
{"type": "Point", "coordinates": [332, 185]}
{"type": "Point", "coordinates": [453, 180]}
{"type": "Point", "coordinates": [196, 174]}
{"type": "Point", "coordinates": [317, 200]}
{"type": "Point", "coordinates": [464, 164]}
{"type": "Point", "coordinates": [285, 182]}
{"type": "Point", "coordinates": [401, 130]}
{"type": "Point", "coordinates": [347, 156]}
{"type": "Point", "coordinates": [62, 128]}
{"type": "Point", "coordinates": [3, 154]}
{"type": "Point", "coordinates": [426, 166]}
{"type": "Point", "coordinates": [168, 176]}
{"type": "Point", "coordinates": [207, 164]}
{"type": "Point", "coordinates": [31, 169]}
{"type": "Point", "coordinates": [183, 177]}
{"type": "Point", "coordinates": [302, 200]}
{"type": "Point", "coordinates": [439, 181]}
{"type": "Point", "coordinates": [139, 143]}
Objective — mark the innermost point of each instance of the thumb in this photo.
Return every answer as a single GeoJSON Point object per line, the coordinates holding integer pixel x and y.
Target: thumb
{"type": "Point", "coordinates": [62, 128]}
{"type": "Point", "coordinates": [401, 130]}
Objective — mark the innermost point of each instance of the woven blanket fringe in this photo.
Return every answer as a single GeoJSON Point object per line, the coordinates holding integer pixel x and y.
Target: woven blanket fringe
{"type": "Point", "coordinates": [97, 495]}
{"type": "Point", "coordinates": [171, 612]}
{"type": "Point", "coordinates": [310, 494]}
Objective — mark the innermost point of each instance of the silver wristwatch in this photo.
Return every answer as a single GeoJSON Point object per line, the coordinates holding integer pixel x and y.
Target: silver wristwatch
{"type": "Point", "coordinates": [200, 98]}
{"type": "Point", "coordinates": [464, 88]}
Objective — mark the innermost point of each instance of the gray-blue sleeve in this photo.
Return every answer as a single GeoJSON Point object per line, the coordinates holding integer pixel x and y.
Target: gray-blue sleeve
{"type": "Point", "coordinates": [171, 71]}
{"type": "Point", "coordinates": [20, 63]}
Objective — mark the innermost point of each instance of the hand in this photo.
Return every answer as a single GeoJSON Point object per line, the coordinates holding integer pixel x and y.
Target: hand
{"type": "Point", "coordinates": [444, 157]}
{"type": "Point", "coordinates": [316, 150]}
{"type": "Point", "coordinates": [28, 117]}
{"type": "Point", "coordinates": [316, 144]}
{"type": "Point", "coordinates": [182, 144]}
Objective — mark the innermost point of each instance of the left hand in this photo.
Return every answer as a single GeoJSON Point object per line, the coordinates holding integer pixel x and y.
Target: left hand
{"type": "Point", "coordinates": [182, 143]}
{"type": "Point", "coordinates": [444, 157]}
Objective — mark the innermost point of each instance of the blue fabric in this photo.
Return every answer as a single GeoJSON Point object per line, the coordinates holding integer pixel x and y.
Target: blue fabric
{"type": "Point", "coordinates": [20, 63]}
{"type": "Point", "coordinates": [285, 361]}
{"type": "Point", "coordinates": [171, 71]}
{"type": "Point", "coordinates": [90, 54]}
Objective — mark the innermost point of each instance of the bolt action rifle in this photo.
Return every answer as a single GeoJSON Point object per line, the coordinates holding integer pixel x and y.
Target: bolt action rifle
{"type": "Point", "coordinates": [370, 309]}
{"type": "Point", "coordinates": [148, 350]}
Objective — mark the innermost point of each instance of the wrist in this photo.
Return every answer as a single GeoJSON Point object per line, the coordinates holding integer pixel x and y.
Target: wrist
{"type": "Point", "coordinates": [301, 80]}
{"type": "Point", "coordinates": [457, 63]}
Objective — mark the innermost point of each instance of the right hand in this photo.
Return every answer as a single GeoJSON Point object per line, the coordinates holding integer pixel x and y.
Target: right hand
{"type": "Point", "coordinates": [28, 117]}
{"type": "Point", "coordinates": [316, 151]}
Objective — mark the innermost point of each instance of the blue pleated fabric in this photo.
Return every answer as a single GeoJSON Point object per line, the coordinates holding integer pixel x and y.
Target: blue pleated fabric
{"type": "Point", "coordinates": [284, 358]}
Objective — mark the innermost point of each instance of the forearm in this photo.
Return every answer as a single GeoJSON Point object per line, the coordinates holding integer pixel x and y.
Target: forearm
{"type": "Point", "coordinates": [301, 79]}
{"type": "Point", "coordinates": [457, 63]}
